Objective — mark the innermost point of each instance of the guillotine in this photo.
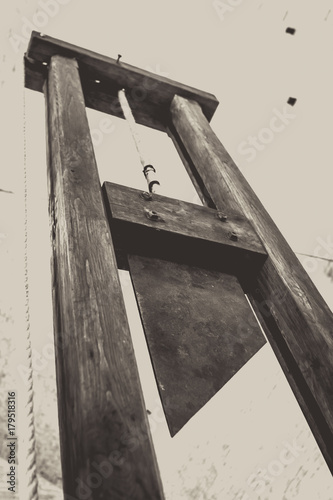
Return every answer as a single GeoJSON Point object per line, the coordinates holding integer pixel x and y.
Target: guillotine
{"type": "Point", "coordinates": [190, 266]}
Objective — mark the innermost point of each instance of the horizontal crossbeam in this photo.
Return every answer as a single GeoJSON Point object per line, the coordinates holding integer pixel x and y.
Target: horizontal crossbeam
{"type": "Point", "coordinates": [157, 226]}
{"type": "Point", "coordinates": [149, 94]}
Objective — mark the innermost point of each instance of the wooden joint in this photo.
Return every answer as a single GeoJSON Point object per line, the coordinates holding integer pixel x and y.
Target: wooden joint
{"type": "Point", "coordinates": [149, 94]}
{"type": "Point", "coordinates": [175, 230]}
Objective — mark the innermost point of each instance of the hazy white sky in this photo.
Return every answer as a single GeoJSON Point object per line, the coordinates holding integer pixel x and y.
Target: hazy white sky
{"type": "Point", "coordinates": [241, 54]}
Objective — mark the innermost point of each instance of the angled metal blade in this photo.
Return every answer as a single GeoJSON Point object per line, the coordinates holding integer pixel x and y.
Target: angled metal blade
{"type": "Point", "coordinates": [200, 331]}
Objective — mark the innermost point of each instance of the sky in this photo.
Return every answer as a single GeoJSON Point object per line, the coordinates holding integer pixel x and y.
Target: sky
{"type": "Point", "coordinates": [240, 52]}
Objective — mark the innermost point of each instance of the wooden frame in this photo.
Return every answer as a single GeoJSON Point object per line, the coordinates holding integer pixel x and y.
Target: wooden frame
{"type": "Point", "coordinates": [296, 320]}
{"type": "Point", "coordinates": [182, 232]}
{"type": "Point", "coordinates": [106, 446]}
{"type": "Point", "coordinates": [102, 77]}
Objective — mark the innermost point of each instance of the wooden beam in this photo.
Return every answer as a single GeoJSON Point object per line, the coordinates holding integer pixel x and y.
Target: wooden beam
{"type": "Point", "coordinates": [190, 169]}
{"type": "Point", "coordinates": [295, 316]}
{"type": "Point", "coordinates": [149, 94]}
{"type": "Point", "coordinates": [105, 441]}
{"type": "Point", "coordinates": [182, 232]}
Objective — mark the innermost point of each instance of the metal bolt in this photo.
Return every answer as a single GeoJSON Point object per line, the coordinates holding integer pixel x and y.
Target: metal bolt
{"type": "Point", "coordinates": [223, 217]}
{"type": "Point", "coordinates": [152, 215]}
{"type": "Point", "coordinates": [119, 56]}
{"type": "Point", "coordinates": [233, 236]}
{"type": "Point", "coordinates": [146, 196]}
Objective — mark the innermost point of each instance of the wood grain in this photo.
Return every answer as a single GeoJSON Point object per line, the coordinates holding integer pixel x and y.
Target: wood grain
{"type": "Point", "coordinates": [105, 442]}
{"type": "Point", "coordinates": [297, 320]}
{"type": "Point", "coordinates": [149, 94]}
{"type": "Point", "coordinates": [190, 169]}
{"type": "Point", "coordinates": [183, 231]}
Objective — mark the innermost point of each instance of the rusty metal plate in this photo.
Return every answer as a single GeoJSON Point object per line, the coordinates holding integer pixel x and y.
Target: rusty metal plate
{"type": "Point", "coordinates": [200, 331]}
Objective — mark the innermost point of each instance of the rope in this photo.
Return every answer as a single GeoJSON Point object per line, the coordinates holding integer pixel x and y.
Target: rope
{"type": "Point", "coordinates": [31, 482]}
{"type": "Point", "coordinates": [148, 170]}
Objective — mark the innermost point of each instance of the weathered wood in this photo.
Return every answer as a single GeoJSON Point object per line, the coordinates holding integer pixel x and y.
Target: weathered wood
{"type": "Point", "coordinates": [105, 441]}
{"type": "Point", "coordinates": [200, 331]}
{"type": "Point", "coordinates": [183, 231]}
{"type": "Point", "coordinates": [149, 94]}
{"type": "Point", "coordinates": [297, 319]}
{"type": "Point", "coordinates": [190, 169]}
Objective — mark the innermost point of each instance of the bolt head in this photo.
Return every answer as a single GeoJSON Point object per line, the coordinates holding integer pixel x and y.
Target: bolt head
{"type": "Point", "coordinates": [233, 236]}
{"type": "Point", "coordinates": [223, 217]}
{"type": "Point", "coordinates": [152, 215]}
{"type": "Point", "coordinates": [146, 196]}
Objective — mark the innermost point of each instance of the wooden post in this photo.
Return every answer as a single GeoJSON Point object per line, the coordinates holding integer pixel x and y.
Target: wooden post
{"type": "Point", "coordinates": [296, 319]}
{"type": "Point", "coordinates": [102, 410]}
{"type": "Point", "coordinates": [105, 441]}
